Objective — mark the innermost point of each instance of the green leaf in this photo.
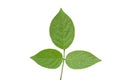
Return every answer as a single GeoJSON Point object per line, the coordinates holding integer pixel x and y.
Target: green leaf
{"type": "Point", "coordinates": [49, 58]}
{"type": "Point", "coordinates": [62, 30]}
{"type": "Point", "coordinates": [81, 59]}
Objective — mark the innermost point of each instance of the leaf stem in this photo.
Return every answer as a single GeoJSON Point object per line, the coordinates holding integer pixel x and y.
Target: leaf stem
{"type": "Point", "coordinates": [63, 61]}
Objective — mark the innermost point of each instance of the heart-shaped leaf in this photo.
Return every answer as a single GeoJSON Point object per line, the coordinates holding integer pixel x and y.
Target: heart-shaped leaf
{"type": "Point", "coordinates": [81, 59]}
{"type": "Point", "coordinates": [49, 58]}
{"type": "Point", "coordinates": [62, 30]}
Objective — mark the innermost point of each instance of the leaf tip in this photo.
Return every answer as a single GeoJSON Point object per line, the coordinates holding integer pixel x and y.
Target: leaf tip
{"type": "Point", "coordinates": [99, 60]}
{"type": "Point", "coordinates": [61, 10]}
{"type": "Point", "coordinates": [31, 57]}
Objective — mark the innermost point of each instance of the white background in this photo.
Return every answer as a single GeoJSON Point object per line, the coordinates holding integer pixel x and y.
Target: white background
{"type": "Point", "coordinates": [24, 31]}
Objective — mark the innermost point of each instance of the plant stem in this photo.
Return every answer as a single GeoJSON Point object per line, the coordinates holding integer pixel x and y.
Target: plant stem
{"type": "Point", "coordinates": [63, 60]}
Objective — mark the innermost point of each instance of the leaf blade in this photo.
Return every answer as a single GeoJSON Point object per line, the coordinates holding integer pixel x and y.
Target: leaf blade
{"type": "Point", "coordinates": [81, 59]}
{"type": "Point", "coordinates": [48, 58]}
{"type": "Point", "coordinates": [62, 30]}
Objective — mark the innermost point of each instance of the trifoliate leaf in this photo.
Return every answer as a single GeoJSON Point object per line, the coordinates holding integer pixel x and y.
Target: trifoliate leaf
{"type": "Point", "coordinates": [81, 59]}
{"type": "Point", "coordinates": [62, 30]}
{"type": "Point", "coordinates": [49, 58]}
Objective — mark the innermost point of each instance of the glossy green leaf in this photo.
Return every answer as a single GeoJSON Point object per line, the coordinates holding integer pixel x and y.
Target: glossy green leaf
{"type": "Point", "coordinates": [62, 30]}
{"type": "Point", "coordinates": [48, 58]}
{"type": "Point", "coordinates": [81, 59]}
